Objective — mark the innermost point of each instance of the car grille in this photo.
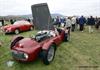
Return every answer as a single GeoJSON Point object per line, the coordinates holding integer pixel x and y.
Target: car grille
{"type": "Point", "coordinates": [18, 55]}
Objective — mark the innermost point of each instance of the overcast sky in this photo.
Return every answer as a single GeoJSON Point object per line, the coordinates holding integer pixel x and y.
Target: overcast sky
{"type": "Point", "coordinates": [65, 7]}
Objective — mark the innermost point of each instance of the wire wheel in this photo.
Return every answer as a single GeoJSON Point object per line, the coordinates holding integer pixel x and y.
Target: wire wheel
{"type": "Point", "coordinates": [31, 28]}
{"type": "Point", "coordinates": [50, 54]}
{"type": "Point", "coordinates": [16, 31]}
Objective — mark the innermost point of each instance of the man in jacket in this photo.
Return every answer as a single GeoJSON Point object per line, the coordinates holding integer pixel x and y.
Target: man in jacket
{"type": "Point", "coordinates": [97, 23]}
{"type": "Point", "coordinates": [58, 21]}
{"type": "Point", "coordinates": [82, 21]}
{"type": "Point", "coordinates": [73, 23]}
{"type": "Point", "coordinates": [91, 23]}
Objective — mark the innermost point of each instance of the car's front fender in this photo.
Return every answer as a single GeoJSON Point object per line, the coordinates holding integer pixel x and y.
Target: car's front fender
{"type": "Point", "coordinates": [47, 45]}
{"type": "Point", "coordinates": [15, 39]}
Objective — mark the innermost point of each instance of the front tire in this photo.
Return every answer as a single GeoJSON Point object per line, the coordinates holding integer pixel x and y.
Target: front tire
{"type": "Point", "coordinates": [48, 55]}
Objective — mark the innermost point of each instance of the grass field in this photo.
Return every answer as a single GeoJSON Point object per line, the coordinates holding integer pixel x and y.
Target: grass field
{"type": "Point", "coordinates": [82, 52]}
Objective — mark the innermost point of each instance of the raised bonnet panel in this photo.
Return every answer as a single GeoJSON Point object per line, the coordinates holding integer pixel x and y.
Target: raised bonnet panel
{"type": "Point", "coordinates": [41, 16]}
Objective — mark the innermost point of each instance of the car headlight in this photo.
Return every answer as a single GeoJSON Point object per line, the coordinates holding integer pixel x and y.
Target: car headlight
{"type": "Point", "coordinates": [20, 45]}
{"type": "Point", "coordinates": [8, 30]}
{"type": "Point", "coordinates": [1, 28]}
{"type": "Point", "coordinates": [26, 55]}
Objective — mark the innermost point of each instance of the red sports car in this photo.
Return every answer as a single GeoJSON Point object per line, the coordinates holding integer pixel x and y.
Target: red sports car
{"type": "Point", "coordinates": [17, 27]}
{"type": "Point", "coordinates": [43, 45]}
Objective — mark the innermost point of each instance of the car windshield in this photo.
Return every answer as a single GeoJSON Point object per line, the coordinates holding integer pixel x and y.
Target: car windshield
{"type": "Point", "coordinates": [21, 23]}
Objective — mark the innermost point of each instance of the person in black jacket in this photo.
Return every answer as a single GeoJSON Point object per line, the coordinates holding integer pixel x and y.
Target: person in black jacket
{"type": "Point", "coordinates": [58, 21]}
{"type": "Point", "coordinates": [97, 25]}
{"type": "Point", "coordinates": [11, 21]}
{"type": "Point", "coordinates": [2, 21]}
{"type": "Point", "coordinates": [91, 23]}
{"type": "Point", "coordinates": [82, 21]}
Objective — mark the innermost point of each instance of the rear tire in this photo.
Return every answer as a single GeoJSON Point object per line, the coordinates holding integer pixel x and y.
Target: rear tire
{"type": "Point", "coordinates": [31, 28]}
{"type": "Point", "coordinates": [48, 55]}
{"type": "Point", "coordinates": [17, 31]}
{"type": "Point", "coordinates": [66, 37]}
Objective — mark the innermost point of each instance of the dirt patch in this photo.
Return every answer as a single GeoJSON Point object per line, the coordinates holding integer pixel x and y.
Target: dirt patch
{"type": "Point", "coordinates": [1, 43]}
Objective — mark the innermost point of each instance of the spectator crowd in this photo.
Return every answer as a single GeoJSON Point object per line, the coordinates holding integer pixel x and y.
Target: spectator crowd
{"type": "Point", "coordinates": [71, 23]}
{"type": "Point", "coordinates": [78, 23]}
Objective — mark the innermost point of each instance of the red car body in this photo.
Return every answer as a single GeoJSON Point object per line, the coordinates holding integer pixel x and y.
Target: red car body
{"type": "Point", "coordinates": [18, 25]}
{"type": "Point", "coordinates": [30, 48]}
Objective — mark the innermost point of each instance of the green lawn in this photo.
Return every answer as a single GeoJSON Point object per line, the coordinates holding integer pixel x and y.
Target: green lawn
{"type": "Point", "coordinates": [82, 52]}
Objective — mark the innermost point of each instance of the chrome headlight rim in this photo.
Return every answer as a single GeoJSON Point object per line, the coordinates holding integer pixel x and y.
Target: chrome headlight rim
{"type": "Point", "coordinates": [26, 55]}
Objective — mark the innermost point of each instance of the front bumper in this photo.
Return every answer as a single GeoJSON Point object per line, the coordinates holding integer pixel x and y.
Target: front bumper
{"type": "Point", "coordinates": [19, 56]}
{"type": "Point", "coordinates": [6, 31]}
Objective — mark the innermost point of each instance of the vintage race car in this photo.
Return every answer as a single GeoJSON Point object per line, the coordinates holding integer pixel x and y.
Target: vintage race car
{"type": "Point", "coordinates": [43, 45]}
{"type": "Point", "coordinates": [17, 27]}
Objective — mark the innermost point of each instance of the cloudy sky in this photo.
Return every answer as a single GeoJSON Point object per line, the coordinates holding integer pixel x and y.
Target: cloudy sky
{"type": "Point", "coordinates": [65, 7]}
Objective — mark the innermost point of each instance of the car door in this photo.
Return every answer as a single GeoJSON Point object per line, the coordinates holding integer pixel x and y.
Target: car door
{"type": "Point", "coordinates": [26, 27]}
{"type": "Point", "coordinates": [22, 27]}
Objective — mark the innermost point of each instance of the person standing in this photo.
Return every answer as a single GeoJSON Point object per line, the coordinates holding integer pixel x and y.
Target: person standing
{"type": "Point", "coordinates": [11, 21]}
{"type": "Point", "coordinates": [77, 23]}
{"type": "Point", "coordinates": [2, 22]}
{"type": "Point", "coordinates": [97, 23]}
{"type": "Point", "coordinates": [28, 20]}
{"type": "Point", "coordinates": [73, 24]}
{"type": "Point", "coordinates": [68, 24]}
{"type": "Point", "coordinates": [91, 23]}
{"type": "Point", "coordinates": [82, 21]}
{"type": "Point", "coordinates": [58, 21]}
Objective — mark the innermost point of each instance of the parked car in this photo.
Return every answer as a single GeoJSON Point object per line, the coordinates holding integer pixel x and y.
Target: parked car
{"type": "Point", "coordinates": [42, 45]}
{"type": "Point", "coordinates": [17, 27]}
